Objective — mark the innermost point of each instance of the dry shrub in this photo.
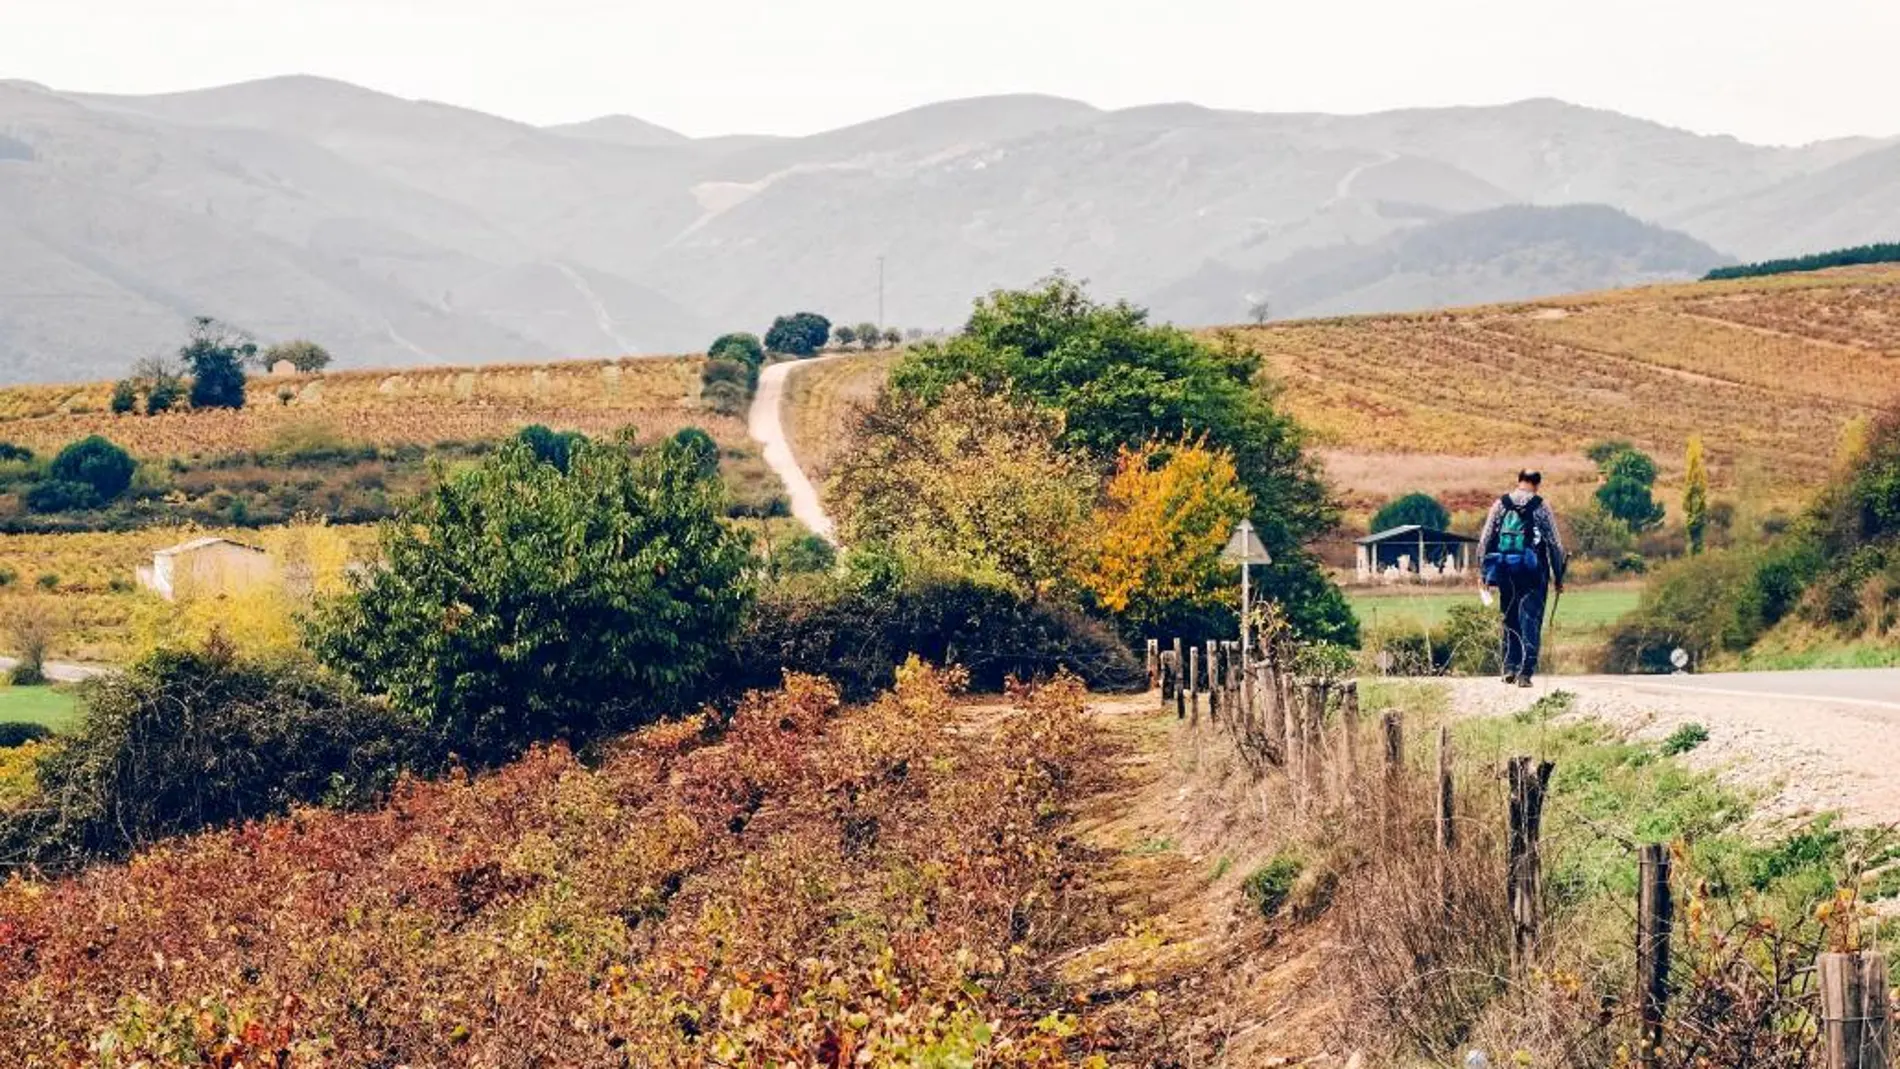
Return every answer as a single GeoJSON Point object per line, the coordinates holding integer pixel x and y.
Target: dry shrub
{"type": "Point", "coordinates": [1425, 963]}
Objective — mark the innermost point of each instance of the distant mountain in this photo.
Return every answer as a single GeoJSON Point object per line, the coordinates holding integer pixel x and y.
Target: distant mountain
{"type": "Point", "coordinates": [1854, 202]}
{"type": "Point", "coordinates": [399, 231]}
{"type": "Point", "coordinates": [1503, 254]}
{"type": "Point", "coordinates": [621, 130]}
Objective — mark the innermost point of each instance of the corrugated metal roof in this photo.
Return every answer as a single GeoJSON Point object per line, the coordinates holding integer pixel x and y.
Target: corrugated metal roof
{"type": "Point", "coordinates": [1412, 531]}
{"type": "Point", "coordinates": [200, 543]}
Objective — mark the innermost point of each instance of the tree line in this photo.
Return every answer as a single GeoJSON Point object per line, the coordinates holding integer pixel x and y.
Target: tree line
{"type": "Point", "coordinates": [1860, 254]}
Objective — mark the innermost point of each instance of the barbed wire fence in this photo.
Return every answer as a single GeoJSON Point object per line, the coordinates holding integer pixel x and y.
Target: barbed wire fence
{"type": "Point", "coordinates": [1700, 987]}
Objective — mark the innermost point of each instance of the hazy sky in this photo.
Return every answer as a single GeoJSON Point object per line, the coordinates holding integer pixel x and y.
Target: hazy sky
{"type": "Point", "coordinates": [1765, 70]}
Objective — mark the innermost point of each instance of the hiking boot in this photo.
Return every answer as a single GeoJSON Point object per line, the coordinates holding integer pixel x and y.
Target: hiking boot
{"type": "Point", "coordinates": [1510, 678]}
{"type": "Point", "coordinates": [1523, 681]}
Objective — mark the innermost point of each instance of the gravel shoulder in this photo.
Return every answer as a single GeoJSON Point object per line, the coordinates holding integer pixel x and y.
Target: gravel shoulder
{"type": "Point", "coordinates": [1797, 752]}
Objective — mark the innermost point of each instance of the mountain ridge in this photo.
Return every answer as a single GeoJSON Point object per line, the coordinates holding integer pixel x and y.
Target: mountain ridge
{"type": "Point", "coordinates": [401, 231]}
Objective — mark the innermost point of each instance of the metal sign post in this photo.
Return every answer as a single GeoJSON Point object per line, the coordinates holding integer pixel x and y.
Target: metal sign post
{"type": "Point", "coordinates": [1246, 550]}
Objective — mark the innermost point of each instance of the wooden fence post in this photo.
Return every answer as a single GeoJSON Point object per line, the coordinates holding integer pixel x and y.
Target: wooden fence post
{"type": "Point", "coordinates": [1167, 678]}
{"type": "Point", "coordinates": [1877, 1037]}
{"type": "Point", "coordinates": [1180, 682]}
{"type": "Point", "coordinates": [1194, 685]}
{"type": "Point", "coordinates": [1154, 663]}
{"type": "Point", "coordinates": [1447, 816]}
{"type": "Point", "coordinates": [1655, 918]}
{"type": "Point", "coordinates": [1213, 679]}
{"type": "Point", "coordinates": [1529, 780]}
{"type": "Point", "coordinates": [1392, 736]}
{"type": "Point", "coordinates": [1856, 1020]}
{"type": "Point", "coordinates": [1349, 731]}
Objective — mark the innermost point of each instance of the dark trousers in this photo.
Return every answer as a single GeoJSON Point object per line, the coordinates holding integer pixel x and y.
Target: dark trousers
{"type": "Point", "coordinates": [1523, 626]}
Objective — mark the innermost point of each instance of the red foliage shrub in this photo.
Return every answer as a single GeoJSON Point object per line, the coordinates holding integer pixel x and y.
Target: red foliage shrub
{"type": "Point", "coordinates": [805, 886]}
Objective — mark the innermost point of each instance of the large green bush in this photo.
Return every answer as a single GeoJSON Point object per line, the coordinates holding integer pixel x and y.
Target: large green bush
{"type": "Point", "coordinates": [87, 474]}
{"type": "Point", "coordinates": [186, 740]}
{"type": "Point", "coordinates": [1418, 509]}
{"type": "Point", "coordinates": [856, 633]}
{"type": "Point", "coordinates": [743, 347]}
{"type": "Point", "coordinates": [518, 605]}
{"type": "Point", "coordinates": [799, 334]}
{"type": "Point", "coordinates": [216, 356]}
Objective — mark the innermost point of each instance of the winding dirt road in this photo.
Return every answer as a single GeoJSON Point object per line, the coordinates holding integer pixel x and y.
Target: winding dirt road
{"type": "Point", "coordinates": [766, 424]}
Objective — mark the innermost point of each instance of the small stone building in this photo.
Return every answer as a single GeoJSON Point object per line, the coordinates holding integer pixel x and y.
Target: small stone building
{"type": "Point", "coordinates": [1412, 554]}
{"type": "Point", "coordinates": [207, 567]}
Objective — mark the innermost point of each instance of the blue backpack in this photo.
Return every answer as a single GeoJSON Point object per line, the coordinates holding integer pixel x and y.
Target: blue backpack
{"type": "Point", "coordinates": [1516, 552]}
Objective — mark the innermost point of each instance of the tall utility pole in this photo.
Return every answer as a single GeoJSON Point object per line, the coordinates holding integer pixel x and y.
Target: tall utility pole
{"type": "Point", "coordinates": [880, 293]}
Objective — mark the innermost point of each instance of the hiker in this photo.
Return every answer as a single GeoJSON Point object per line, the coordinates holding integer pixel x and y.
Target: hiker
{"type": "Point", "coordinates": [1523, 555]}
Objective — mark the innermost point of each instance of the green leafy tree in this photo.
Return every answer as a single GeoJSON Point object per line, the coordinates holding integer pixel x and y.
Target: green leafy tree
{"type": "Point", "coordinates": [743, 347]}
{"type": "Point", "coordinates": [800, 334]}
{"type": "Point", "coordinates": [976, 482]}
{"type": "Point", "coordinates": [216, 356]}
{"type": "Point", "coordinates": [844, 335]}
{"type": "Point", "coordinates": [807, 554]}
{"type": "Point", "coordinates": [1419, 509]}
{"type": "Point", "coordinates": [1628, 500]}
{"type": "Point", "coordinates": [699, 447]}
{"type": "Point", "coordinates": [893, 337]}
{"type": "Point", "coordinates": [306, 356]}
{"type": "Point", "coordinates": [162, 379]}
{"type": "Point", "coordinates": [550, 447]}
{"type": "Point", "coordinates": [1695, 496]}
{"type": "Point", "coordinates": [96, 463]}
{"type": "Point", "coordinates": [724, 369]}
{"type": "Point", "coordinates": [1120, 381]}
{"type": "Point", "coordinates": [125, 397]}
{"type": "Point", "coordinates": [517, 604]}
{"type": "Point", "coordinates": [870, 335]}
{"type": "Point", "coordinates": [1601, 453]}
{"type": "Point", "coordinates": [1633, 465]}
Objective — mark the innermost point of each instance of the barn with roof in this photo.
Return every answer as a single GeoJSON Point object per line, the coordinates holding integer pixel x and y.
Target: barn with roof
{"type": "Point", "coordinates": [206, 566]}
{"type": "Point", "coordinates": [1413, 553]}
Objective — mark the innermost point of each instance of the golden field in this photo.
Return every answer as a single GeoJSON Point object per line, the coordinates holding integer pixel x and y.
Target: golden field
{"type": "Point", "coordinates": [659, 395]}
{"type": "Point", "coordinates": [1767, 370]}
{"type": "Point", "coordinates": [820, 400]}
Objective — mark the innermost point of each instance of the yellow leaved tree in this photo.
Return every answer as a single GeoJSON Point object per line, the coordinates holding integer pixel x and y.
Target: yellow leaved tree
{"type": "Point", "coordinates": [975, 483]}
{"type": "Point", "coordinates": [1166, 513]}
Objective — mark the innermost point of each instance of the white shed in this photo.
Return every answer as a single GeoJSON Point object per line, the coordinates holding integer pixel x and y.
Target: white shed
{"type": "Point", "coordinates": [206, 566]}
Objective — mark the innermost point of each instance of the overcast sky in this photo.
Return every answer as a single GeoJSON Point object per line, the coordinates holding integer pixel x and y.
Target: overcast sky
{"type": "Point", "coordinates": [1775, 71]}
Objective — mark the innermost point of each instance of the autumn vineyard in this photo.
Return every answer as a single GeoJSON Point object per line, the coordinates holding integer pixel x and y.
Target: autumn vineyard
{"type": "Point", "coordinates": [533, 732]}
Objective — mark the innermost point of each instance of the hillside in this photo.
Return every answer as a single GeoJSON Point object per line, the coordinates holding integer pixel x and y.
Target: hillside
{"type": "Point", "coordinates": [1499, 254]}
{"type": "Point", "coordinates": [1767, 370]}
{"type": "Point", "coordinates": [406, 232]}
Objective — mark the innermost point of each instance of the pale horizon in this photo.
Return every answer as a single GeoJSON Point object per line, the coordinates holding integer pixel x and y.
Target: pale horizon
{"type": "Point", "coordinates": [1761, 72]}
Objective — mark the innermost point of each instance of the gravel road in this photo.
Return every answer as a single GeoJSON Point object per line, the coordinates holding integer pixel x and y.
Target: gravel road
{"type": "Point", "coordinates": [1801, 742]}
{"type": "Point", "coordinates": [767, 426]}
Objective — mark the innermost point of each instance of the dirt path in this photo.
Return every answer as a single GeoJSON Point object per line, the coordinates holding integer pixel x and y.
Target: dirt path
{"type": "Point", "coordinates": [767, 427]}
{"type": "Point", "coordinates": [60, 671]}
{"type": "Point", "coordinates": [1802, 743]}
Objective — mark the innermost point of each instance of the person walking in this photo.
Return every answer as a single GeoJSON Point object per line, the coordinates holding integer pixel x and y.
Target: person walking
{"type": "Point", "coordinates": [1523, 557]}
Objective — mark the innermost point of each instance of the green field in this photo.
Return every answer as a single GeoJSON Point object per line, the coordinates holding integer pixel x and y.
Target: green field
{"type": "Point", "coordinates": [39, 705]}
{"type": "Point", "coordinates": [1587, 610]}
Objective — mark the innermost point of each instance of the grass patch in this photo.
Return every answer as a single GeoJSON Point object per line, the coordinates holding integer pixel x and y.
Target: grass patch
{"type": "Point", "coordinates": [1268, 886]}
{"type": "Point", "coordinates": [1591, 609]}
{"type": "Point", "coordinates": [54, 707]}
{"type": "Point", "coordinates": [1151, 847]}
{"type": "Point", "coordinates": [1683, 739]}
